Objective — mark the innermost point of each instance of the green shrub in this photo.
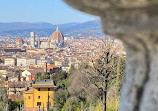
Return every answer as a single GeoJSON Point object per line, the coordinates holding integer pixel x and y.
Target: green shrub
{"type": "Point", "coordinates": [71, 105]}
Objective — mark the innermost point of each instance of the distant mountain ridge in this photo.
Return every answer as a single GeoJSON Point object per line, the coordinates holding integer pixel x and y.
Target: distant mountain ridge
{"type": "Point", "coordinates": [24, 25]}
{"type": "Point", "coordinates": [23, 29]}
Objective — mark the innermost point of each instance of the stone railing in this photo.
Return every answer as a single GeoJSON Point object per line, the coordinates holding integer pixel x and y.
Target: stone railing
{"type": "Point", "coordinates": [135, 22]}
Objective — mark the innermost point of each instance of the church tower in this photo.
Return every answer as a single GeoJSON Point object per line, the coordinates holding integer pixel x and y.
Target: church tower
{"type": "Point", "coordinates": [32, 39]}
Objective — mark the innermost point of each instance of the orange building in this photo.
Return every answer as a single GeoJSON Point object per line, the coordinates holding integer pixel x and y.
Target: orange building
{"type": "Point", "coordinates": [52, 68]}
{"type": "Point", "coordinates": [32, 77]}
{"type": "Point", "coordinates": [40, 96]}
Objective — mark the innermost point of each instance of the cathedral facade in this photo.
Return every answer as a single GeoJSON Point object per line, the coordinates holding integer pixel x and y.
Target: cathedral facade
{"type": "Point", "coordinates": [56, 41]}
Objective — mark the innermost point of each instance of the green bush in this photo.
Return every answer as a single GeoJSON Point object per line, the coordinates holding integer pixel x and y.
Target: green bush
{"type": "Point", "coordinates": [60, 98]}
{"type": "Point", "coordinates": [71, 105]}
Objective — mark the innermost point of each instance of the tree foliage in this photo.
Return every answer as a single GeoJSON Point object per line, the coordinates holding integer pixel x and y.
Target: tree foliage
{"type": "Point", "coordinates": [40, 77]}
{"type": "Point", "coordinates": [1, 60]}
{"type": "Point", "coordinates": [59, 76]}
{"type": "Point", "coordinates": [60, 98]}
{"type": "Point", "coordinates": [61, 94]}
{"type": "Point", "coordinates": [7, 104]}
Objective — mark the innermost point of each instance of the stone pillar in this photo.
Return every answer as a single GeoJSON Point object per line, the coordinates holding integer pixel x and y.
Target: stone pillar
{"type": "Point", "coordinates": [135, 22]}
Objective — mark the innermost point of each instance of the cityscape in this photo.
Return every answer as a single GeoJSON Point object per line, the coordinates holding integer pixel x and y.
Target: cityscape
{"type": "Point", "coordinates": [60, 71]}
{"type": "Point", "coordinates": [23, 58]}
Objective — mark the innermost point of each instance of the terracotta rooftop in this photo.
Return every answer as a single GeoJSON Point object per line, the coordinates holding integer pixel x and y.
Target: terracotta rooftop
{"type": "Point", "coordinates": [20, 40]}
{"type": "Point", "coordinates": [17, 84]}
{"type": "Point", "coordinates": [57, 35]}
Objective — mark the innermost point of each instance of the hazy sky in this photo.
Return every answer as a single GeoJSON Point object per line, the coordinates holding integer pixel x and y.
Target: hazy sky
{"type": "Point", "coordinates": [52, 11]}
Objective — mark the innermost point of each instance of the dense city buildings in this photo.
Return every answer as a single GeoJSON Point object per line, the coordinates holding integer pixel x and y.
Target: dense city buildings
{"type": "Point", "coordinates": [55, 41]}
{"type": "Point", "coordinates": [22, 59]}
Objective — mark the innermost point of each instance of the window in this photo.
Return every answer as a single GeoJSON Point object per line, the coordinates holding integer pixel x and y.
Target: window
{"type": "Point", "coordinates": [38, 97]}
{"type": "Point", "coordinates": [38, 103]}
{"type": "Point", "coordinates": [48, 89]}
{"type": "Point", "coordinates": [39, 89]}
{"type": "Point", "coordinates": [29, 97]}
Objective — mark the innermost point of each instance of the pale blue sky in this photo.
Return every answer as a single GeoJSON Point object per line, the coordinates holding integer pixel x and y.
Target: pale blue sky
{"type": "Point", "coordinates": [52, 11]}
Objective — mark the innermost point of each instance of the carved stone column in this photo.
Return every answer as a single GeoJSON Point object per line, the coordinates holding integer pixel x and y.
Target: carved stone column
{"type": "Point", "coordinates": [135, 22]}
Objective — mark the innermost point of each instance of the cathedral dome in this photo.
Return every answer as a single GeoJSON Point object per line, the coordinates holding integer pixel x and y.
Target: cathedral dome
{"type": "Point", "coordinates": [57, 35]}
{"type": "Point", "coordinates": [19, 40]}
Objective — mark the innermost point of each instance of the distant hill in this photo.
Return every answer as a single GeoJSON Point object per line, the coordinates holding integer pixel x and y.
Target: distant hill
{"type": "Point", "coordinates": [23, 29]}
{"type": "Point", "coordinates": [24, 25]}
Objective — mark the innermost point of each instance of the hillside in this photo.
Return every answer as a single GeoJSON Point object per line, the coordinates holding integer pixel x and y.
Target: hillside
{"type": "Point", "coordinates": [22, 29]}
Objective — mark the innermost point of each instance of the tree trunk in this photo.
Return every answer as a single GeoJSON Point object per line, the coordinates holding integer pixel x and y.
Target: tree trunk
{"type": "Point", "coordinates": [104, 101]}
{"type": "Point", "coordinates": [104, 96]}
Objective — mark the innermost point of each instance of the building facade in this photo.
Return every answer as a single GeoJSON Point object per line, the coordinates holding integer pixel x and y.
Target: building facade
{"type": "Point", "coordinates": [10, 61]}
{"type": "Point", "coordinates": [31, 61]}
{"type": "Point", "coordinates": [21, 61]}
{"type": "Point", "coordinates": [56, 41]}
{"type": "Point", "coordinates": [40, 96]}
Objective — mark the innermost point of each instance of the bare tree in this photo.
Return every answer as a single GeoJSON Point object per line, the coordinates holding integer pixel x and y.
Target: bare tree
{"type": "Point", "coordinates": [98, 76]}
{"type": "Point", "coordinates": [104, 68]}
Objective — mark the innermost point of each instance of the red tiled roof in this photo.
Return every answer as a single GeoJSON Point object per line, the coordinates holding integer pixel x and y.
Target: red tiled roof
{"type": "Point", "coordinates": [20, 40]}
{"type": "Point", "coordinates": [57, 35]}
{"type": "Point", "coordinates": [15, 97]}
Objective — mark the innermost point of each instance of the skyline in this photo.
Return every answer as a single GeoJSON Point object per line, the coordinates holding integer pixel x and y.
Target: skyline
{"type": "Point", "coordinates": [52, 11]}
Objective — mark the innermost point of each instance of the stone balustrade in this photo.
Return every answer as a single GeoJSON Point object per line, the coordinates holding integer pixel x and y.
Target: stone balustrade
{"type": "Point", "coordinates": [135, 22]}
